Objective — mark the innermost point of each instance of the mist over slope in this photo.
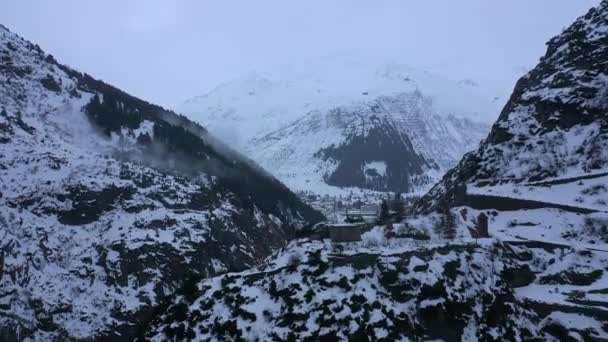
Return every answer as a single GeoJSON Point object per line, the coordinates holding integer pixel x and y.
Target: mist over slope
{"type": "Point", "coordinates": [108, 204]}
{"type": "Point", "coordinates": [288, 118]}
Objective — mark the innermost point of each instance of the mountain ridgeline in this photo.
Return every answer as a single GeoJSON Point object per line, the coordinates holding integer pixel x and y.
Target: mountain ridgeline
{"type": "Point", "coordinates": [339, 125]}
{"type": "Point", "coordinates": [188, 142]}
{"type": "Point", "coordinates": [555, 123]}
{"type": "Point", "coordinates": [109, 204]}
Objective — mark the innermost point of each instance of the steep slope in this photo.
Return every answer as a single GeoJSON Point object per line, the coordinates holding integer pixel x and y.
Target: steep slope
{"type": "Point", "coordinates": [540, 180]}
{"type": "Point", "coordinates": [321, 123]}
{"type": "Point", "coordinates": [400, 290]}
{"type": "Point", "coordinates": [108, 204]}
{"type": "Point", "coordinates": [554, 127]}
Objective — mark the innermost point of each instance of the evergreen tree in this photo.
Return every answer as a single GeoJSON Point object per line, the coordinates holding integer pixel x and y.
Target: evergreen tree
{"type": "Point", "coordinates": [438, 226]}
{"type": "Point", "coordinates": [448, 223]}
{"type": "Point", "coordinates": [383, 217]}
{"type": "Point", "coordinates": [339, 204]}
{"type": "Point", "coordinates": [398, 205]}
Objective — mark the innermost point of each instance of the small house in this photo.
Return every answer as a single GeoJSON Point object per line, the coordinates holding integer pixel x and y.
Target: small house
{"type": "Point", "coordinates": [345, 232]}
{"type": "Point", "coordinates": [319, 231]}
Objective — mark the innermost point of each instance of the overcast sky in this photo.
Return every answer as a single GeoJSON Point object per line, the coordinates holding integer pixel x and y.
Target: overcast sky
{"type": "Point", "coordinates": [166, 51]}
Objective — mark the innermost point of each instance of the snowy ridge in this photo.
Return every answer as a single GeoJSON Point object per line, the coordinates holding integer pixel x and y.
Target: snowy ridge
{"type": "Point", "coordinates": [105, 211]}
{"type": "Point", "coordinates": [284, 118]}
{"type": "Point", "coordinates": [398, 290]}
{"type": "Point", "coordinates": [554, 125]}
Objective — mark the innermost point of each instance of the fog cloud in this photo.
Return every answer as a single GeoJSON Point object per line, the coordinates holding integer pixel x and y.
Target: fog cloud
{"type": "Point", "coordinates": [168, 51]}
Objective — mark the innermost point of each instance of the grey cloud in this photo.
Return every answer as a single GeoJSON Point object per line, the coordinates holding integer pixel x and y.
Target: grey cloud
{"type": "Point", "coordinates": [167, 51]}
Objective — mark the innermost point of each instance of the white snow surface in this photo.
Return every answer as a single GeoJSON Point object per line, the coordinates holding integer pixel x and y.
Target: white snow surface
{"type": "Point", "coordinates": [314, 275]}
{"type": "Point", "coordinates": [62, 280]}
{"type": "Point", "coordinates": [378, 167]}
{"type": "Point", "coordinates": [282, 117]}
{"type": "Point", "coordinates": [591, 193]}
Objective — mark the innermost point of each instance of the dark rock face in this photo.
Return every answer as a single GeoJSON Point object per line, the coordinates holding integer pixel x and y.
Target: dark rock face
{"type": "Point", "coordinates": [50, 84]}
{"type": "Point", "coordinates": [396, 143]}
{"type": "Point", "coordinates": [555, 122]}
{"type": "Point", "coordinates": [384, 143]}
{"type": "Point", "coordinates": [572, 278]}
{"type": "Point", "coordinates": [109, 204]}
{"type": "Point", "coordinates": [88, 206]}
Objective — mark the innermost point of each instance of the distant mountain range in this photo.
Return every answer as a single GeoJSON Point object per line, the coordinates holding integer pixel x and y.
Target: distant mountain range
{"type": "Point", "coordinates": [336, 123]}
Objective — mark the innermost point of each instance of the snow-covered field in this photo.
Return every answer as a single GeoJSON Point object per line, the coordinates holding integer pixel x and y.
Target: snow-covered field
{"type": "Point", "coordinates": [590, 193]}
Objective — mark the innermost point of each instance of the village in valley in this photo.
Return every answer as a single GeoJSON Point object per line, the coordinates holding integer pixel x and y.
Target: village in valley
{"type": "Point", "coordinates": [360, 206]}
{"type": "Point", "coordinates": [349, 217]}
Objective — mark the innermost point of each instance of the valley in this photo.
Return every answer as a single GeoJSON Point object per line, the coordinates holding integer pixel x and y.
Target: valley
{"type": "Point", "coordinates": [328, 201]}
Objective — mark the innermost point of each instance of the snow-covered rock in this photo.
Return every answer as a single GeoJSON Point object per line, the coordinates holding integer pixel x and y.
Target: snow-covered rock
{"type": "Point", "coordinates": [553, 130]}
{"type": "Point", "coordinates": [540, 180]}
{"type": "Point", "coordinates": [108, 204]}
{"type": "Point", "coordinates": [403, 290]}
{"type": "Point", "coordinates": [315, 125]}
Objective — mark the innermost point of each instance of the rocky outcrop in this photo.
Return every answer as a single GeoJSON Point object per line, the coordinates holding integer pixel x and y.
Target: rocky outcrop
{"type": "Point", "coordinates": [109, 204]}
{"type": "Point", "coordinates": [314, 291]}
{"type": "Point", "coordinates": [554, 125]}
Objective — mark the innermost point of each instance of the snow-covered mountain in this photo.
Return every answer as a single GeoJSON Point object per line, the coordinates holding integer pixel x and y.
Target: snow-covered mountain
{"type": "Point", "coordinates": [517, 252]}
{"type": "Point", "coordinates": [552, 133]}
{"type": "Point", "coordinates": [341, 122]}
{"type": "Point", "coordinates": [542, 172]}
{"type": "Point", "coordinates": [109, 204]}
{"type": "Point", "coordinates": [541, 176]}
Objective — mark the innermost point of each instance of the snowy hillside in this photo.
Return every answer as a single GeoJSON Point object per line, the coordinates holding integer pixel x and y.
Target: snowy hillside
{"type": "Point", "coordinates": [542, 172]}
{"type": "Point", "coordinates": [285, 118]}
{"type": "Point", "coordinates": [540, 178]}
{"type": "Point", "coordinates": [512, 243]}
{"type": "Point", "coordinates": [401, 289]}
{"type": "Point", "coordinates": [108, 204]}
{"type": "Point", "coordinates": [554, 129]}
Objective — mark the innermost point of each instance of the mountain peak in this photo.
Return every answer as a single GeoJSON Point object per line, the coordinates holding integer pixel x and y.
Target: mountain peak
{"type": "Point", "coordinates": [288, 119]}
{"type": "Point", "coordinates": [554, 125]}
